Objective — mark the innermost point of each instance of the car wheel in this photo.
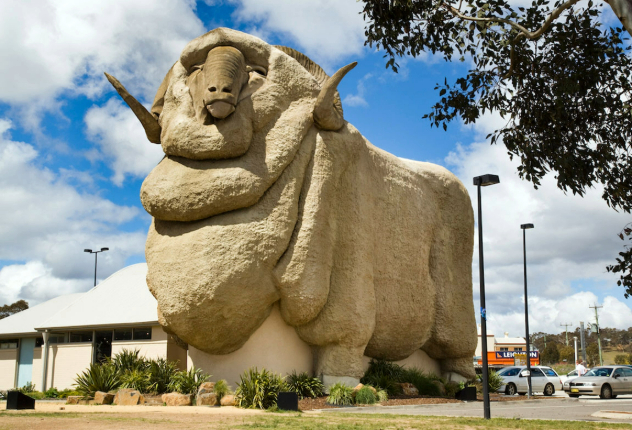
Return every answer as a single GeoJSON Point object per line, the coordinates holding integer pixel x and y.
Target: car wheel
{"type": "Point", "coordinates": [606, 392]}
{"type": "Point", "coordinates": [510, 390]}
{"type": "Point", "coordinates": [573, 395]}
{"type": "Point", "coordinates": [549, 390]}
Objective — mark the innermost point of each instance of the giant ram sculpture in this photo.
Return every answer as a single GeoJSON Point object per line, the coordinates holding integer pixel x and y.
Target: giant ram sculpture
{"type": "Point", "coordinates": [266, 194]}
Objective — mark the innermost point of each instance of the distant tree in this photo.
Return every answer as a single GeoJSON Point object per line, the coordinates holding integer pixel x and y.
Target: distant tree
{"type": "Point", "coordinates": [621, 359]}
{"type": "Point", "coordinates": [13, 308]}
{"type": "Point", "coordinates": [567, 353]}
{"type": "Point", "coordinates": [551, 354]}
{"type": "Point", "coordinates": [592, 355]}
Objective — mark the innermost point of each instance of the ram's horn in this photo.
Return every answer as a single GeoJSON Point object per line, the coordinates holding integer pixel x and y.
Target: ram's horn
{"type": "Point", "coordinates": [149, 122]}
{"type": "Point", "coordinates": [326, 116]}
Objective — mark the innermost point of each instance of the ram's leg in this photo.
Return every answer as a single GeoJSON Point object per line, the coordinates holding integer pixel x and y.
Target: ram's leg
{"type": "Point", "coordinates": [453, 339]}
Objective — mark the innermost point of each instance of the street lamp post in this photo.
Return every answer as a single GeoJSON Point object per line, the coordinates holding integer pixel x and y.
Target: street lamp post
{"type": "Point", "coordinates": [95, 261]}
{"type": "Point", "coordinates": [524, 228]}
{"type": "Point", "coordinates": [483, 181]}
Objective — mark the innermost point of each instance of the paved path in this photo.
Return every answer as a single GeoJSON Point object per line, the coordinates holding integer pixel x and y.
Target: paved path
{"type": "Point", "coordinates": [551, 409]}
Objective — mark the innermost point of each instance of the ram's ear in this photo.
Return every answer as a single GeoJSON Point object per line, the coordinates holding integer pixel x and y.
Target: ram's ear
{"type": "Point", "coordinates": [148, 121]}
{"type": "Point", "coordinates": [159, 100]}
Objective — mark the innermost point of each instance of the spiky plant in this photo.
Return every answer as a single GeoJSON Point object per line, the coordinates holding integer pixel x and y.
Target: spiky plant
{"type": "Point", "coordinates": [98, 377]}
{"type": "Point", "coordinates": [365, 396]}
{"type": "Point", "coordinates": [304, 385]}
{"type": "Point", "coordinates": [159, 373]}
{"type": "Point", "coordinates": [221, 388]}
{"type": "Point", "coordinates": [340, 394]}
{"type": "Point", "coordinates": [128, 360]}
{"type": "Point", "coordinates": [259, 389]}
{"type": "Point", "coordinates": [187, 382]}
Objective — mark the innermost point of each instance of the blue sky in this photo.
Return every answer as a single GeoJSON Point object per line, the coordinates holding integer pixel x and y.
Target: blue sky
{"type": "Point", "coordinates": [73, 157]}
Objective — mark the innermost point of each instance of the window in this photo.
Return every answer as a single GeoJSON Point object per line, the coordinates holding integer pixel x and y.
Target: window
{"type": "Point", "coordinates": [80, 336]}
{"type": "Point", "coordinates": [504, 349]}
{"type": "Point", "coordinates": [9, 343]}
{"type": "Point", "coordinates": [511, 371]}
{"type": "Point", "coordinates": [142, 333]}
{"type": "Point", "coordinates": [52, 338]}
{"type": "Point", "coordinates": [550, 372]}
{"type": "Point", "coordinates": [518, 348]}
{"type": "Point", "coordinates": [123, 334]}
{"type": "Point", "coordinates": [626, 372]}
{"type": "Point", "coordinates": [536, 373]}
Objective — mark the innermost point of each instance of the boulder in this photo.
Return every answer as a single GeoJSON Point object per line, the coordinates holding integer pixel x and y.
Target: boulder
{"type": "Point", "coordinates": [440, 386]}
{"type": "Point", "coordinates": [206, 399]}
{"type": "Point", "coordinates": [228, 400]}
{"type": "Point", "coordinates": [177, 399]}
{"type": "Point", "coordinates": [128, 397]}
{"type": "Point", "coordinates": [73, 400]}
{"type": "Point", "coordinates": [409, 389]}
{"type": "Point", "coordinates": [103, 398]}
{"type": "Point", "coordinates": [206, 387]}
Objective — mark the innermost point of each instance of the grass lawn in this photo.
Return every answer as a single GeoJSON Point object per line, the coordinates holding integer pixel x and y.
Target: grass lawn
{"type": "Point", "coordinates": [70, 421]}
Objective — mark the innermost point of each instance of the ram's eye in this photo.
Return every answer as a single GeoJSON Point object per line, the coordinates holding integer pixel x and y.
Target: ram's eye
{"type": "Point", "coordinates": [197, 68]}
{"type": "Point", "coordinates": [259, 70]}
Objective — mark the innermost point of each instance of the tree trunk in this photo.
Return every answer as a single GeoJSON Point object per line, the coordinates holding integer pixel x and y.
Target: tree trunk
{"type": "Point", "coordinates": [623, 10]}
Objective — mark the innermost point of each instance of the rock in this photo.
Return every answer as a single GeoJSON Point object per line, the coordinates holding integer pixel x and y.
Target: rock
{"type": "Point", "coordinates": [73, 400]}
{"type": "Point", "coordinates": [206, 399]}
{"type": "Point", "coordinates": [206, 387]}
{"type": "Point", "coordinates": [102, 398]}
{"type": "Point", "coordinates": [409, 389]}
{"type": "Point", "coordinates": [128, 397]}
{"type": "Point", "coordinates": [440, 386]}
{"type": "Point", "coordinates": [228, 400]}
{"type": "Point", "coordinates": [177, 399]}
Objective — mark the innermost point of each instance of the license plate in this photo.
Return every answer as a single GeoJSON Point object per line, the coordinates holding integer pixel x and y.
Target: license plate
{"type": "Point", "coordinates": [574, 390]}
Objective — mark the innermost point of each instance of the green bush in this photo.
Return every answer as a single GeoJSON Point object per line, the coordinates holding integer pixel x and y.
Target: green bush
{"type": "Point", "coordinates": [221, 389]}
{"type": "Point", "coordinates": [340, 394]}
{"type": "Point", "coordinates": [37, 395]}
{"type": "Point", "coordinates": [451, 388]}
{"type": "Point", "coordinates": [494, 382]}
{"type": "Point", "coordinates": [185, 382]}
{"type": "Point", "coordinates": [128, 361]}
{"type": "Point", "coordinates": [259, 389]}
{"type": "Point", "coordinates": [304, 385]}
{"type": "Point", "coordinates": [29, 387]}
{"type": "Point", "coordinates": [98, 377]}
{"type": "Point", "coordinates": [52, 393]}
{"type": "Point", "coordinates": [137, 379]}
{"type": "Point", "coordinates": [382, 396]}
{"type": "Point", "coordinates": [365, 396]}
{"type": "Point", "coordinates": [68, 392]}
{"type": "Point", "coordinates": [621, 359]}
{"type": "Point", "coordinates": [159, 375]}
{"type": "Point", "coordinates": [384, 375]}
{"type": "Point", "coordinates": [424, 383]}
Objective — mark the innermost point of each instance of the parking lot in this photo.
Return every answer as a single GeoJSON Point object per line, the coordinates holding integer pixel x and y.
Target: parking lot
{"type": "Point", "coordinates": [585, 408]}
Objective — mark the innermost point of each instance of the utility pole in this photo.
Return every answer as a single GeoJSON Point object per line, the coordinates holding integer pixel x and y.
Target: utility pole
{"type": "Point", "coordinates": [582, 336]}
{"type": "Point", "coordinates": [598, 331]}
{"type": "Point", "coordinates": [566, 326]}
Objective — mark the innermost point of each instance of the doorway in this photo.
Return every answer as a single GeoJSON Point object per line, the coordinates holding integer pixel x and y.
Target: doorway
{"type": "Point", "coordinates": [102, 346]}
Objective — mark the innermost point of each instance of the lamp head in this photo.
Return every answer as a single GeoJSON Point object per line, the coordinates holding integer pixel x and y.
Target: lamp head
{"type": "Point", "coordinates": [87, 250]}
{"type": "Point", "coordinates": [485, 180]}
{"type": "Point", "coordinates": [526, 226]}
{"type": "Point", "coordinates": [105, 249]}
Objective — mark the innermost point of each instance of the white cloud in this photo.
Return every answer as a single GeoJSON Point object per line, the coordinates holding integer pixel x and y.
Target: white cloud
{"type": "Point", "coordinates": [328, 30]}
{"type": "Point", "coordinates": [45, 224]}
{"type": "Point", "coordinates": [122, 140]}
{"type": "Point", "coordinates": [574, 239]}
{"type": "Point", "coordinates": [52, 46]}
{"type": "Point", "coordinates": [358, 99]}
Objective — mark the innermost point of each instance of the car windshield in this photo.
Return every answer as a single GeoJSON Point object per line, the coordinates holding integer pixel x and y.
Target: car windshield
{"type": "Point", "coordinates": [600, 371]}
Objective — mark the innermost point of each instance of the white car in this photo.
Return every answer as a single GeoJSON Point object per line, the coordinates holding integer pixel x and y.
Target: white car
{"type": "Point", "coordinates": [570, 375]}
{"type": "Point", "coordinates": [543, 379]}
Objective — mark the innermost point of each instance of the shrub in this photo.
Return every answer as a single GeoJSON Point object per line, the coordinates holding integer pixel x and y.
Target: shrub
{"type": "Point", "coordinates": [68, 392]}
{"type": "Point", "coordinates": [304, 385]}
{"type": "Point", "coordinates": [365, 396]}
{"type": "Point", "coordinates": [384, 375]}
{"type": "Point", "coordinates": [221, 388]}
{"type": "Point", "coordinates": [382, 396]}
{"type": "Point", "coordinates": [128, 361]}
{"type": "Point", "coordinates": [258, 389]}
{"type": "Point", "coordinates": [451, 388]}
{"type": "Point", "coordinates": [98, 377]}
{"type": "Point", "coordinates": [340, 394]}
{"type": "Point", "coordinates": [138, 379]}
{"type": "Point", "coordinates": [494, 382]}
{"type": "Point", "coordinates": [160, 372]}
{"type": "Point", "coordinates": [185, 382]}
{"type": "Point", "coordinates": [51, 393]}
{"type": "Point", "coordinates": [621, 359]}
{"type": "Point", "coordinates": [423, 383]}
{"type": "Point", "coordinates": [29, 387]}
{"type": "Point", "coordinates": [37, 395]}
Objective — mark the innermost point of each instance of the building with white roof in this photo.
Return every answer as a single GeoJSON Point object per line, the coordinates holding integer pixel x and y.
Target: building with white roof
{"type": "Point", "coordinates": [50, 343]}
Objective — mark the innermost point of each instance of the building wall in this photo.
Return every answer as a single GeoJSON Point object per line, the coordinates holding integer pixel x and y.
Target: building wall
{"type": "Point", "coordinates": [276, 346]}
{"type": "Point", "coordinates": [8, 368]}
{"type": "Point", "coordinates": [65, 361]}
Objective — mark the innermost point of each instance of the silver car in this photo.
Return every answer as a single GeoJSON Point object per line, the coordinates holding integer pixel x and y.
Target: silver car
{"type": "Point", "coordinates": [544, 380]}
{"type": "Point", "coordinates": [606, 382]}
